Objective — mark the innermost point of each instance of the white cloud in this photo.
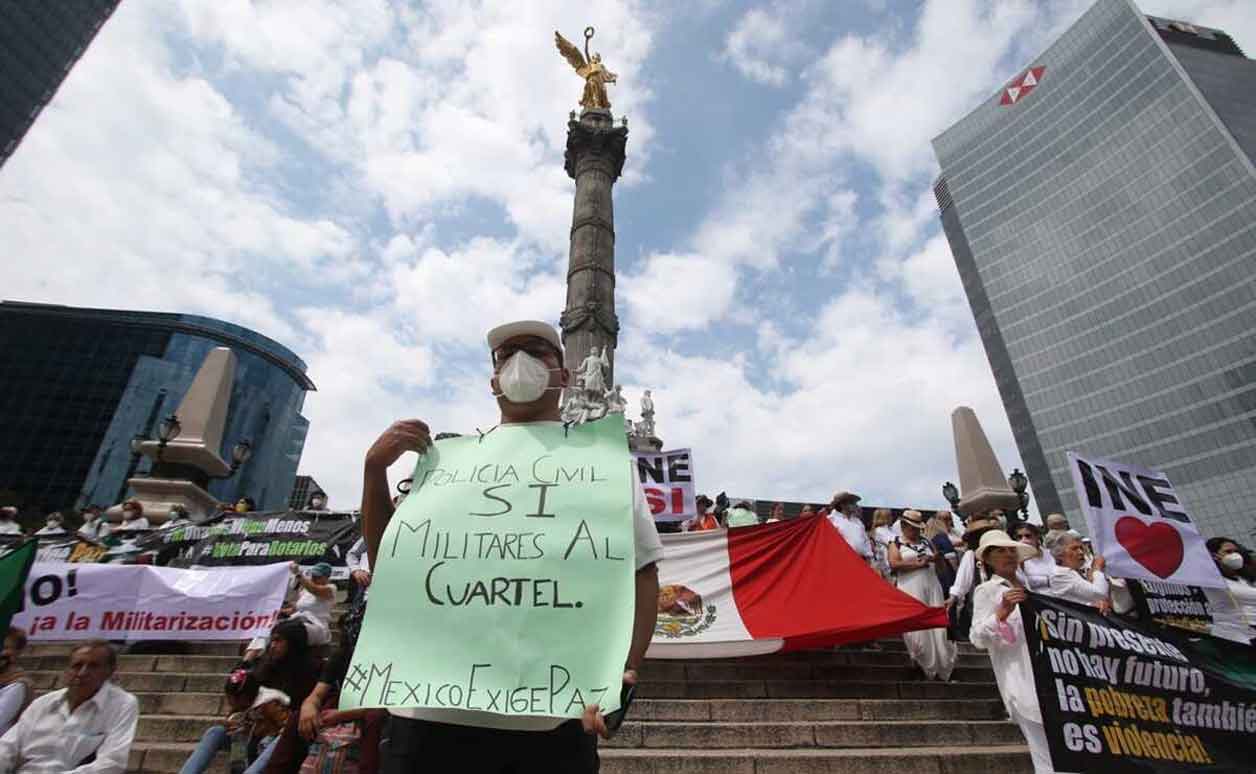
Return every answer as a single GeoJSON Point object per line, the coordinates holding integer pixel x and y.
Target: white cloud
{"type": "Point", "coordinates": [455, 297]}
{"type": "Point", "coordinates": [758, 45]}
{"type": "Point", "coordinates": [864, 402]}
{"type": "Point", "coordinates": [147, 189]}
{"type": "Point", "coordinates": [678, 292]}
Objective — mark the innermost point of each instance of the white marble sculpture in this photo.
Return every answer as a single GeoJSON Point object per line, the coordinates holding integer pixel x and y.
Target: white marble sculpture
{"type": "Point", "coordinates": [615, 401]}
{"type": "Point", "coordinates": [646, 426]}
{"type": "Point", "coordinates": [593, 372]}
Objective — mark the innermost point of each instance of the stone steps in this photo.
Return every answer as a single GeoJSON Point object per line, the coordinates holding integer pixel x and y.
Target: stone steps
{"type": "Point", "coordinates": [850, 709]}
{"type": "Point", "coordinates": [762, 735]}
{"type": "Point", "coordinates": [167, 758]}
{"type": "Point", "coordinates": [998, 759]}
{"type": "Point", "coordinates": [212, 705]}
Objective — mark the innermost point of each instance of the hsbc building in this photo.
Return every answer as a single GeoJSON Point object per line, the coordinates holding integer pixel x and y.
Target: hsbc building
{"type": "Point", "coordinates": [1101, 210]}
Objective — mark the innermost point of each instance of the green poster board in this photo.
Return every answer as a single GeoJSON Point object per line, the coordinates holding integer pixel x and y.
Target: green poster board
{"type": "Point", "coordinates": [505, 580]}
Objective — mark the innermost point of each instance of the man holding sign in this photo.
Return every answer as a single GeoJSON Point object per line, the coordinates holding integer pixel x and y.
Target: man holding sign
{"type": "Point", "coordinates": [515, 588]}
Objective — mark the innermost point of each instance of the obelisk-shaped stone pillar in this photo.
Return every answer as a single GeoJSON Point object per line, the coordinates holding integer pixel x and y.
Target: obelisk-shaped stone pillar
{"type": "Point", "coordinates": [594, 159]}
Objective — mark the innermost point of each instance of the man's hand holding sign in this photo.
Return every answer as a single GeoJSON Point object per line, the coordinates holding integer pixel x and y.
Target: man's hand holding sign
{"type": "Point", "coordinates": [514, 587]}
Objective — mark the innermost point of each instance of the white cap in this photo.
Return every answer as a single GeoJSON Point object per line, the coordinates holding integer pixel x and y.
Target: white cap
{"type": "Point", "coordinates": [542, 330]}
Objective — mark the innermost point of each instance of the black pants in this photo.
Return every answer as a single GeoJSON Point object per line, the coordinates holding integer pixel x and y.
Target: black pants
{"type": "Point", "coordinates": [420, 746]}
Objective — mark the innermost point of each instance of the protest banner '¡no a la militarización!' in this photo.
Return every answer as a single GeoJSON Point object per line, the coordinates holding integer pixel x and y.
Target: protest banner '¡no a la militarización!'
{"type": "Point", "coordinates": [142, 602]}
{"type": "Point", "coordinates": [505, 581]}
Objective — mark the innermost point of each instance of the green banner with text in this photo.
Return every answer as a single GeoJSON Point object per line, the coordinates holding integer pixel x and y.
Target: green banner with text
{"type": "Point", "coordinates": [505, 580]}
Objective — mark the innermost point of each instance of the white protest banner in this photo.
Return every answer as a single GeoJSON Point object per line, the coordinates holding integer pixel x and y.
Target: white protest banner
{"type": "Point", "coordinates": [667, 478]}
{"type": "Point", "coordinates": [142, 602]}
{"type": "Point", "coordinates": [1139, 525]}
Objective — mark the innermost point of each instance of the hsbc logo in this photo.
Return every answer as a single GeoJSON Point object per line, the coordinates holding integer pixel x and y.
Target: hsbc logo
{"type": "Point", "coordinates": [1022, 85]}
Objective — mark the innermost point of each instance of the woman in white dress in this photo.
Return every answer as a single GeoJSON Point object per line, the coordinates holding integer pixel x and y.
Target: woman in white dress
{"type": "Point", "coordinates": [882, 536]}
{"type": "Point", "coordinates": [911, 558]}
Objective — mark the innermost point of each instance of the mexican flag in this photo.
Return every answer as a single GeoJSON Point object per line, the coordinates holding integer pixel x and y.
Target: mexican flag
{"type": "Point", "coordinates": [791, 585]}
{"type": "Point", "coordinates": [14, 567]}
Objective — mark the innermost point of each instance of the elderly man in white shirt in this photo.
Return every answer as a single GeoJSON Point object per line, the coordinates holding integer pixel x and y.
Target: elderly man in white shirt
{"type": "Point", "coordinates": [85, 728]}
{"type": "Point", "coordinates": [844, 515]}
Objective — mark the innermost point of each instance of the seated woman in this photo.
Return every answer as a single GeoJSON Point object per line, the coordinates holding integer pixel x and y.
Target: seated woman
{"type": "Point", "coordinates": [314, 602]}
{"type": "Point", "coordinates": [314, 732]}
{"type": "Point", "coordinates": [16, 691]}
{"type": "Point", "coordinates": [256, 715]}
{"type": "Point", "coordinates": [911, 558]}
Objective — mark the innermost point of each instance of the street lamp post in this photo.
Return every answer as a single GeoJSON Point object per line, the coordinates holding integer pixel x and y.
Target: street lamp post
{"type": "Point", "coordinates": [1019, 483]}
{"type": "Point", "coordinates": [951, 493]}
{"type": "Point", "coordinates": [167, 431]}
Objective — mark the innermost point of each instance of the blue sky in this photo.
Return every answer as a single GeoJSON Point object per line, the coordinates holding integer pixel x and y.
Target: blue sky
{"type": "Point", "coordinates": [376, 184]}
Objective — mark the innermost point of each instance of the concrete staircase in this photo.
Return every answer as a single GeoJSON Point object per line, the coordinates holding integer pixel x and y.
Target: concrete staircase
{"type": "Point", "coordinates": [848, 710]}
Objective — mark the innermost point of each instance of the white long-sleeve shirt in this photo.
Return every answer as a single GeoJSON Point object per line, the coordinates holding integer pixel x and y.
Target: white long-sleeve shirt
{"type": "Point", "coordinates": [357, 558]}
{"type": "Point", "coordinates": [1010, 660]}
{"type": "Point", "coordinates": [1038, 571]}
{"type": "Point", "coordinates": [1067, 583]}
{"type": "Point", "coordinates": [12, 697]}
{"type": "Point", "coordinates": [49, 739]}
{"type": "Point", "coordinates": [965, 574]}
{"type": "Point", "coordinates": [854, 533]}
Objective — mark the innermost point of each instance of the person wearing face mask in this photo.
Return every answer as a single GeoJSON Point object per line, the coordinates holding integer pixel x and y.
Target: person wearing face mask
{"type": "Point", "coordinates": [52, 525]}
{"type": "Point", "coordinates": [318, 502]}
{"type": "Point", "coordinates": [177, 517]}
{"type": "Point", "coordinates": [245, 504]}
{"type": "Point", "coordinates": [8, 521]}
{"type": "Point", "coordinates": [1038, 568]}
{"type": "Point", "coordinates": [133, 516]}
{"type": "Point", "coordinates": [527, 379]}
{"type": "Point", "coordinates": [1231, 562]}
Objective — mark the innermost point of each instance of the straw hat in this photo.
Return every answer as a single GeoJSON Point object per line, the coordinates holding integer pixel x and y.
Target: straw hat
{"type": "Point", "coordinates": [914, 518]}
{"type": "Point", "coordinates": [979, 524]}
{"type": "Point", "coordinates": [997, 538]}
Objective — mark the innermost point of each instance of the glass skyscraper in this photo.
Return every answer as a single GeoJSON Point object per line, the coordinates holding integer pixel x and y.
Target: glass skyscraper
{"type": "Point", "coordinates": [1101, 209]}
{"type": "Point", "coordinates": [76, 385]}
{"type": "Point", "coordinates": [40, 40]}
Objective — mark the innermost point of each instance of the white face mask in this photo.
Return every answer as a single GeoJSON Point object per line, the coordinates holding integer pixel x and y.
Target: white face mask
{"type": "Point", "coordinates": [523, 378]}
{"type": "Point", "coordinates": [1232, 561]}
{"type": "Point", "coordinates": [53, 523]}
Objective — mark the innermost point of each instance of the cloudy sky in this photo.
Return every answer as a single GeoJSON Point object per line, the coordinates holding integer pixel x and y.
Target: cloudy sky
{"type": "Point", "coordinates": [376, 184]}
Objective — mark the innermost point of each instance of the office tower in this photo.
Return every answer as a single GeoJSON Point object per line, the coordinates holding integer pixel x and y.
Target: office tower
{"type": "Point", "coordinates": [1101, 209]}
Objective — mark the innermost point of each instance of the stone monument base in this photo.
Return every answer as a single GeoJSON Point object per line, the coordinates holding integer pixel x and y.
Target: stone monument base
{"type": "Point", "coordinates": [159, 495]}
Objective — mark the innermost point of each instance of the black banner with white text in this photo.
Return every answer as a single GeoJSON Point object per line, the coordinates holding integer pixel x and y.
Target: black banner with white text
{"type": "Point", "coordinates": [1125, 698]}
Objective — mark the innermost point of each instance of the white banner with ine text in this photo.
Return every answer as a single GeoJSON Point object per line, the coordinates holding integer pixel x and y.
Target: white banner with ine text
{"type": "Point", "coordinates": [1139, 525]}
{"type": "Point", "coordinates": [667, 478]}
{"type": "Point", "coordinates": [142, 602]}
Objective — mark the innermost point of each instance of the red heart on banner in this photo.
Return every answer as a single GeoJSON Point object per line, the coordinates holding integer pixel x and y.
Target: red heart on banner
{"type": "Point", "coordinates": [1157, 547]}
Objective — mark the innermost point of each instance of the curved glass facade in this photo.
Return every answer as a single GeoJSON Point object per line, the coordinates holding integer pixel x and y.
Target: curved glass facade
{"type": "Point", "coordinates": [80, 383]}
{"type": "Point", "coordinates": [1104, 226]}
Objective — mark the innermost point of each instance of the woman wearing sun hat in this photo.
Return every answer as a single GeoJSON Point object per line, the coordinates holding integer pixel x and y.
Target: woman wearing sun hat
{"type": "Point", "coordinates": [997, 628]}
{"type": "Point", "coordinates": [911, 559]}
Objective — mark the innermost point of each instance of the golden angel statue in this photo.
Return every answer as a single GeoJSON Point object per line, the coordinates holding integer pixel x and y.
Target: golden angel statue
{"type": "Point", "coordinates": [595, 74]}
